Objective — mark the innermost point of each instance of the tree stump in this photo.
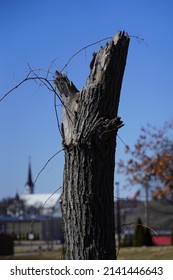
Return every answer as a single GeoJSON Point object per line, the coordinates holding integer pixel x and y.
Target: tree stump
{"type": "Point", "coordinates": [89, 127]}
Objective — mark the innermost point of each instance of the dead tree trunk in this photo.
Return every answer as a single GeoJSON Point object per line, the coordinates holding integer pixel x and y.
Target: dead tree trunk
{"type": "Point", "coordinates": [90, 125]}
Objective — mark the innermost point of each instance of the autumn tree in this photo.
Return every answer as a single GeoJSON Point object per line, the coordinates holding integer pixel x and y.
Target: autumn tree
{"type": "Point", "coordinates": [151, 162]}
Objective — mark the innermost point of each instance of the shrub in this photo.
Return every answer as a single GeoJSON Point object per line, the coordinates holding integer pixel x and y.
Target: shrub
{"type": "Point", "coordinates": [172, 237]}
{"type": "Point", "coordinates": [148, 238]}
{"type": "Point", "coordinates": [142, 236]}
{"type": "Point", "coordinates": [139, 236]}
{"type": "Point", "coordinates": [6, 244]}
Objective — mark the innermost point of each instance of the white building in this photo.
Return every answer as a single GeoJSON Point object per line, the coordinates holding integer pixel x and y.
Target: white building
{"type": "Point", "coordinates": [39, 214]}
{"type": "Point", "coordinates": [44, 203]}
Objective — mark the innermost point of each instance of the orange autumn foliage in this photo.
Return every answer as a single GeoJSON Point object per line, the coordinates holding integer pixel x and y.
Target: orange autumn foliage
{"type": "Point", "coordinates": [152, 160]}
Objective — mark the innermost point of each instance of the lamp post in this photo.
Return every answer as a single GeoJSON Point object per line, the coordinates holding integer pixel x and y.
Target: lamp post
{"type": "Point", "coordinates": [118, 214]}
{"type": "Point", "coordinates": [146, 204]}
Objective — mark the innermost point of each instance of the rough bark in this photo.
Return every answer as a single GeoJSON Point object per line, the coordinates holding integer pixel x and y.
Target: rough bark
{"type": "Point", "coordinates": [89, 127]}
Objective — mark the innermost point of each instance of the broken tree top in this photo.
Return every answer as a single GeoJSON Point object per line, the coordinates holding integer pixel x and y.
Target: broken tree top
{"type": "Point", "coordinates": [97, 102]}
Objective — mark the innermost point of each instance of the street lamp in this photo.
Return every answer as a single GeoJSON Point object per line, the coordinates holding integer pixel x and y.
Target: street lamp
{"type": "Point", "coordinates": [118, 214]}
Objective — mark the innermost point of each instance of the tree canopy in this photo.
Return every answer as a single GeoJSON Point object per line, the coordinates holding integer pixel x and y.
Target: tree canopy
{"type": "Point", "coordinates": [151, 162]}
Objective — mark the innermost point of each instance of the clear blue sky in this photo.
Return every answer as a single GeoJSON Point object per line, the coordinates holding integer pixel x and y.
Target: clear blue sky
{"type": "Point", "coordinates": [36, 32]}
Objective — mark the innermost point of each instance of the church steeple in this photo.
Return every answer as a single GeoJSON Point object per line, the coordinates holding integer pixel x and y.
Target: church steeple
{"type": "Point", "coordinates": [29, 186]}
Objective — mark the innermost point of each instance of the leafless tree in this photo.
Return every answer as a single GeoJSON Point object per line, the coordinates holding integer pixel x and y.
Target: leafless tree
{"type": "Point", "coordinates": [89, 127]}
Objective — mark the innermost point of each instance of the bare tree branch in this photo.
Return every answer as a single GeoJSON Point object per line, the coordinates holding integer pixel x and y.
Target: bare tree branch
{"type": "Point", "coordinates": [126, 227]}
{"type": "Point", "coordinates": [48, 71]}
{"type": "Point", "coordinates": [139, 39]}
{"type": "Point", "coordinates": [82, 49]}
{"type": "Point", "coordinates": [47, 162]}
{"type": "Point", "coordinates": [29, 226]}
{"type": "Point", "coordinates": [56, 114]}
{"type": "Point", "coordinates": [46, 82]}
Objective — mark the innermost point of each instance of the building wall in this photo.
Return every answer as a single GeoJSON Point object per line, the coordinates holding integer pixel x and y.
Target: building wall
{"type": "Point", "coordinates": [21, 229]}
{"type": "Point", "coordinates": [47, 228]}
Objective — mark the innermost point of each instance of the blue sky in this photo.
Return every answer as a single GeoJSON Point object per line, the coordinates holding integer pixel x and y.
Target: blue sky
{"type": "Point", "coordinates": [36, 32]}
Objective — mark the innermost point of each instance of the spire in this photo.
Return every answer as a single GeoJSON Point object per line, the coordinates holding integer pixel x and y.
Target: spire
{"type": "Point", "coordinates": [29, 186]}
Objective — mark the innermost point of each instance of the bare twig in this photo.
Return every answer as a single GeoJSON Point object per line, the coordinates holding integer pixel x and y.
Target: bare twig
{"type": "Point", "coordinates": [82, 49]}
{"type": "Point", "coordinates": [15, 87]}
{"type": "Point", "coordinates": [139, 39]}
{"type": "Point", "coordinates": [145, 226]}
{"type": "Point", "coordinates": [47, 162]}
{"type": "Point", "coordinates": [56, 114]}
{"type": "Point", "coordinates": [28, 78]}
{"type": "Point", "coordinates": [131, 224]}
{"type": "Point", "coordinates": [135, 224]}
{"type": "Point", "coordinates": [29, 226]}
{"type": "Point", "coordinates": [48, 71]}
{"type": "Point", "coordinates": [127, 146]}
{"type": "Point", "coordinates": [45, 82]}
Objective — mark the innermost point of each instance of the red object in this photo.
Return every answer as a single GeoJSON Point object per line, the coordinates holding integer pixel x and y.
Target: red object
{"type": "Point", "coordinates": [134, 196]}
{"type": "Point", "coordinates": [161, 240]}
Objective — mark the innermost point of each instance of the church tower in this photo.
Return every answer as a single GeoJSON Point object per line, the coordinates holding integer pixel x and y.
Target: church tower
{"type": "Point", "coordinates": [29, 186]}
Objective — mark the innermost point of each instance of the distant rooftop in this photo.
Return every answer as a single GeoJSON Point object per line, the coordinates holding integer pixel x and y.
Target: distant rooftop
{"type": "Point", "coordinates": [45, 201]}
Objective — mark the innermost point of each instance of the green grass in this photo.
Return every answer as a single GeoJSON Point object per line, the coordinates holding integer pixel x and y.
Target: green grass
{"type": "Point", "coordinates": [46, 255]}
{"type": "Point", "coordinates": [128, 253]}
{"type": "Point", "coordinates": [146, 253]}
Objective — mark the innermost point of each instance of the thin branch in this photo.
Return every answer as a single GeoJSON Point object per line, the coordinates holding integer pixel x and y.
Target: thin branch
{"type": "Point", "coordinates": [44, 80]}
{"type": "Point", "coordinates": [130, 224]}
{"type": "Point", "coordinates": [47, 162]}
{"type": "Point", "coordinates": [44, 71]}
{"type": "Point", "coordinates": [29, 226]}
{"type": "Point", "coordinates": [56, 114]}
{"type": "Point", "coordinates": [145, 226]}
{"type": "Point", "coordinates": [47, 82]}
{"type": "Point", "coordinates": [127, 146]}
{"type": "Point", "coordinates": [92, 44]}
{"type": "Point", "coordinates": [139, 39]}
{"type": "Point", "coordinates": [15, 87]}
{"type": "Point", "coordinates": [135, 224]}
{"type": "Point", "coordinates": [48, 71]}
{"type": "Point", "coordinates": [39, 78]}
{"type": "Point", "coordinates": [84, 48]}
